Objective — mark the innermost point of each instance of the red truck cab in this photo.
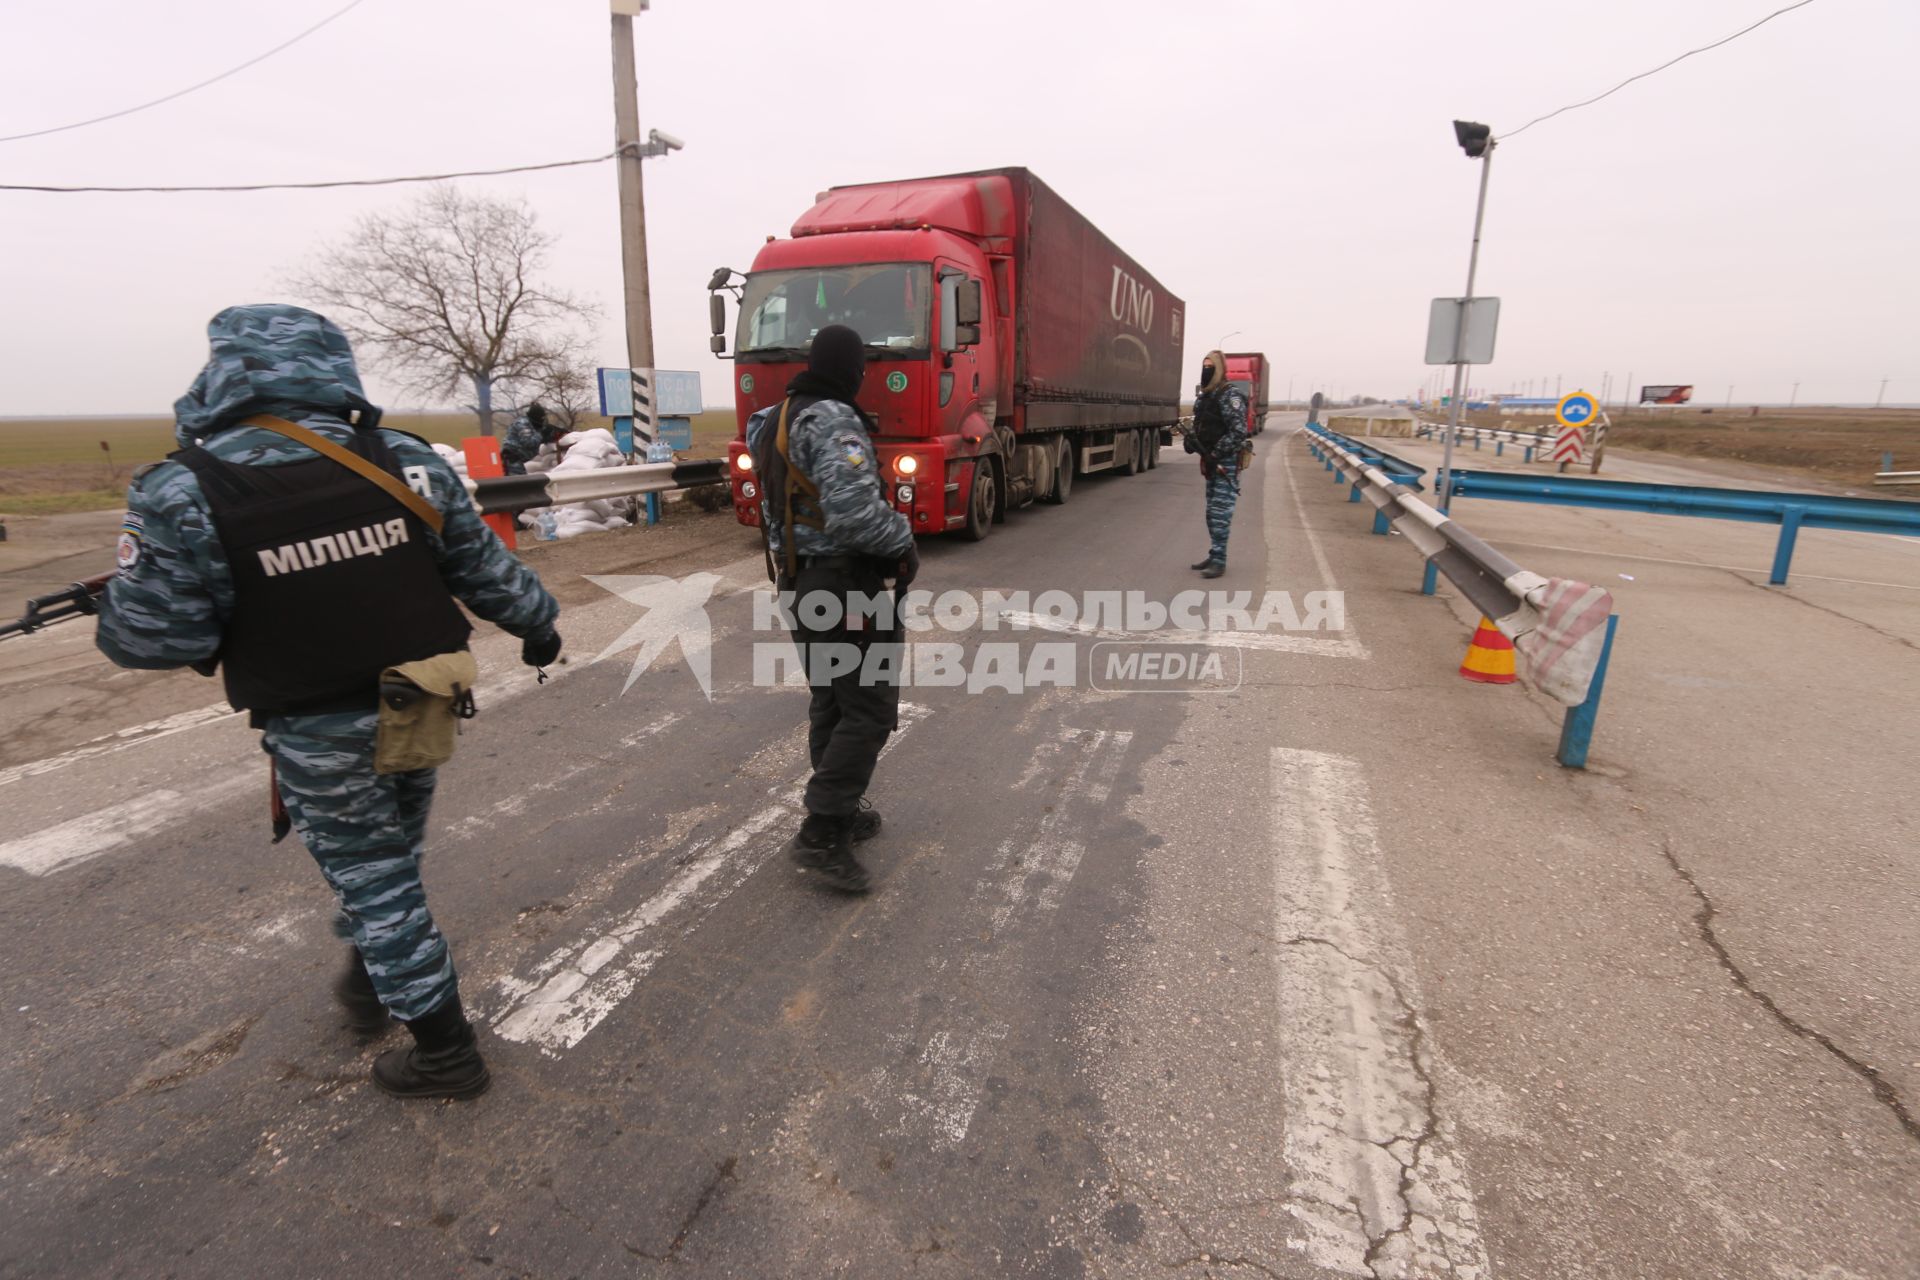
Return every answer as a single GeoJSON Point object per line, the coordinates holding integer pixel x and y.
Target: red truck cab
{"type": "Point", "coordinates": [988, 388]}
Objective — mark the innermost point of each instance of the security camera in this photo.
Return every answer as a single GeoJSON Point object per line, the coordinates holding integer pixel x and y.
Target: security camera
{"type": "Point", "coordinates": [666, 140]}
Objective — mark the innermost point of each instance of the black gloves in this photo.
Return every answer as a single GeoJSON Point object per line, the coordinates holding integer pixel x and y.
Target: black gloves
{"type": "Point", "coordinates": [540, 648]}
{"type": "Point", "coordinates": [909, 568]}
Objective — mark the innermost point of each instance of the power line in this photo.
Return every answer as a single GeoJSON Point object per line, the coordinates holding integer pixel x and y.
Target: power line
{"type": "Point", "coordinates": [1800, 4]}
{"type": "Point", "coordinates": [340, 182]}
{"type": "Point", "coordinates": [181, 93]}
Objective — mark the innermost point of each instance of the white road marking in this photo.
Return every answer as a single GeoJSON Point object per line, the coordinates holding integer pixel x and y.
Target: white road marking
{"type": "Point", "coordinates": [654, 729]}
{"type": "Point", "coordinates": [120, 740]}
{"type": "Point", "coordinates": [87, 837]}
{"type": "Point", "coordinates": [941, 1090]}
{"type": "Point", "coordinates": [1377, 1187]}
{"type": "Point", "coordinates": [574, 988]}
{"type": "Point", "coordinates": [1269, 641]}
{"type": "Point", "coordinates": [1272, 521]}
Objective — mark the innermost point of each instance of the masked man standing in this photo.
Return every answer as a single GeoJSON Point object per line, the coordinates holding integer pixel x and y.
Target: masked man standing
{"type": "Point", "coordinates": [831, 533]}
{"type": "Point", "coordinates": [315, 561]}
{"type": "Point", "coordinates": [1219, 436]}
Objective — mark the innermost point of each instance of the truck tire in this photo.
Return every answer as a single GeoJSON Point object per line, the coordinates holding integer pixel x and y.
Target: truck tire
{"type": "Point", "coordinates": [982, 499]}
{"type": "Point", "coordinates": [1152, 437]}
{"type": "Point", "coordinates": [1062, 474]}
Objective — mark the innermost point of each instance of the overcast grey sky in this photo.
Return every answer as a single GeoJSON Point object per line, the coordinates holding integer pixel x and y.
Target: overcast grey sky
{"type": "Point", "coordinates": [1746, 218]}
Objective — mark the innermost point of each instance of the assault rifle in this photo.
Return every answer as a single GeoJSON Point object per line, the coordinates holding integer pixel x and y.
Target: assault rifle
{"type": "Point", "coordinates": [80, 600]}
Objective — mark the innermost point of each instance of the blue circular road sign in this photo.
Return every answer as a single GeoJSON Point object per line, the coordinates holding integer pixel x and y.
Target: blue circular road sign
{"type": "Point", "coordinates": [1577, 409]}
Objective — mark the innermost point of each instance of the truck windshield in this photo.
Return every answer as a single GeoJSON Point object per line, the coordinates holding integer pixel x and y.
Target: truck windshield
{"type": "Point", "coordinates": [888, 304]}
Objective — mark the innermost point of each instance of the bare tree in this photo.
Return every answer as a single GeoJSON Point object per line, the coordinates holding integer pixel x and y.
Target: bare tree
{"type": "Point", "coordinates": [564, 382]}
{"type": "Point", "coordinates": [445, 294]}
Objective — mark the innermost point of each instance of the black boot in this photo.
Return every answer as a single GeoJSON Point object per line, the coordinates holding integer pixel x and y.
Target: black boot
{"type": "Point", "coordinates": [1214, 570]}
{"type": "Point", "coordinates": [443, 1063]}
{"type": "Point", "coordinates": [354, 990]}
{"type": "Point", "coordinates": [1201, 564]}
{"type": "Point", "coordinates": [866, 823]}
{"type": "Point", "coordinates": [825, 845]}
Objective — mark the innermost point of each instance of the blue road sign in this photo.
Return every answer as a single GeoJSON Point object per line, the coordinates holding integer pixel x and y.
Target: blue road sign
{"type": "Point", "coordinates": [1577, 409]}
{"type": "Point", "coordinates": [676, 433]}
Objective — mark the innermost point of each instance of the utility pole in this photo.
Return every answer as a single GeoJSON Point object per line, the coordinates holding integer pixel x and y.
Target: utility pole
{"type": "Point", "coordinates": [1630, 399]}
{"type": "Point", "coordinates": [1795, 397]}
{"type": "Point", "coordinates": [1881, 398]}
{"type": "Point", "coordinates": [1729, 403]}
{"type": "Point", "coordinates": [633, 210]}
{"type": "Point", "coordinates": [1478, 142]}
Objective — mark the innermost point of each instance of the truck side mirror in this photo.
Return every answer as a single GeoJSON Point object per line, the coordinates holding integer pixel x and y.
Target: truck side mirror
{"type": "Point", "coordinates": [717, 344]}
{"type": "Point", "coordinates": [966, 335]}
{"type": "Point", "coordinates": [717, 313]}
{"type": "Point", "coordinates": [967, 306]}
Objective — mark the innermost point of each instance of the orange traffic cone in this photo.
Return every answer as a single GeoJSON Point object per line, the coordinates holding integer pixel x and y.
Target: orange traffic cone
{"type": "Point", "coordinates": [1490, 656]}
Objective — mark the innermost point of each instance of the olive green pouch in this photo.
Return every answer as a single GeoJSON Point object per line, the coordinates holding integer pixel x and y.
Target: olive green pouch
{"type": "Point", "coordinates": [420, 706]}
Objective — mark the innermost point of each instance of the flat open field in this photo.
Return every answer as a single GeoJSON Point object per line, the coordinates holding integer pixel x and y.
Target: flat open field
{"type": "Point", "coordinates": [1842, 445]}
{"type": "Point", "coordinates": [51, 465]}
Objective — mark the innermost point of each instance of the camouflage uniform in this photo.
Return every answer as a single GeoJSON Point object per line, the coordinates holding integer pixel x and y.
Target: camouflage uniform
{"type": "Point", "coordinates": [1221, 465]}
{"type": "Point", "coordinates": [523, 444]}
{"type": "Point", "coordinates": [828, 444]}
{"type": "Point", "coordinates": [174, 592]}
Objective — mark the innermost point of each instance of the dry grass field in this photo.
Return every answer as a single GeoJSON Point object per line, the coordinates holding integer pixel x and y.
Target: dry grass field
{"type": "Point", "coordinates": [51, 465]}
{"type": "Point", "coordinates": [1842, 445]}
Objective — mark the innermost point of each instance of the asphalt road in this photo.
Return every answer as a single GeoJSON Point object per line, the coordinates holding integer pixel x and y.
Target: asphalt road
{"type": "Point", "coordinates": [1316, 967]}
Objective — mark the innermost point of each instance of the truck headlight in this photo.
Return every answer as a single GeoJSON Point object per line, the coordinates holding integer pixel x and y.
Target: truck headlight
{"type": "Point", "coordinates": [744, 461]}
{"type": "Point", "coordinates": [906, 464]}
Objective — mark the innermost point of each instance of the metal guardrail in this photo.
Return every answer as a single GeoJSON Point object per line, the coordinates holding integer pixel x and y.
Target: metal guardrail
{"type": "Point", "coordinates": [1791, 511]}
{"type": "Point", "coordinates": [1896, 477]}
{"type": "Point", "coordinates": [1530, 441]}
{"type": "Point", "coordinates": [500, 495]}
{"type": "Point", "coordinates": [1563, 629]}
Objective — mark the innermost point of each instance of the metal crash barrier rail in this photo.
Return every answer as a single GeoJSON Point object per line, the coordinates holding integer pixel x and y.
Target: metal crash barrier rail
{"type": "Point", "coordinates": [1791, 511]}
{"type": "Point", "coordinates": [500, 495]}
{"type": "Point", "coordinates": [1561, 629]}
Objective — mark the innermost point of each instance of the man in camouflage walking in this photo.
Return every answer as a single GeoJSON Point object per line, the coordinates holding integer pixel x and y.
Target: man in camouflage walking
{"type": "Point", "coordinates": [831, 533]}
{"type": "Point", "coordinates": [301, 575]}
{"type": "Point", "coordinates": [1219, 436]}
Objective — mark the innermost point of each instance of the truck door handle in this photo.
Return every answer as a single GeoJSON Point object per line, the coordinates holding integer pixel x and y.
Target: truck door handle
{"type": "Point", "coordinates": [976, 382]}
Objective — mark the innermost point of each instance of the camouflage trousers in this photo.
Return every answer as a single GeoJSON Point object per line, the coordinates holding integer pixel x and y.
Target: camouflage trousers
{"type": "Point", "coordinates": [1223, 490]}
{"type": "Point", "coordinates": [368, 834]}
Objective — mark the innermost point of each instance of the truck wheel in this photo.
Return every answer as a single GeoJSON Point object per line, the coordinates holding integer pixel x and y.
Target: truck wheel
{"type": "Point", "coordinates": [981, 500]}
{"type": "Point", "coordinates": [1135, 463]}
{"type": "Point", "coordinates": [1152, 439]}
{"type": "Point", "coordinates": [1062, 475]}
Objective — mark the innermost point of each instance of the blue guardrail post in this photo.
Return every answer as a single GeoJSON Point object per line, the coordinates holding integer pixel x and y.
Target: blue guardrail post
{"type": "Point", "coordinates": [1783, 553]}
{"type": "Point", "coordinates": [1576, 732]}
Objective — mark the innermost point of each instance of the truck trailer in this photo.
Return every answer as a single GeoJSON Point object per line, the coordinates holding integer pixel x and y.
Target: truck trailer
{"type": "Point", "coordinates": [1250, 369]}
{"type": "Point", "coordinates": [1011, 346]}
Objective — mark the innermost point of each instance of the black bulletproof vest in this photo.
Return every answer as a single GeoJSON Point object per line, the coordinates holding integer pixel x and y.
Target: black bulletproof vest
{"type": "Point", "coordinates": [1209, 419]}
{"type": "Point", "coordinates": [333, 582]}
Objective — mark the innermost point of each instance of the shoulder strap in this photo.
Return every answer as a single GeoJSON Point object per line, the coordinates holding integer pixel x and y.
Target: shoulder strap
{"type": "Point", "coordinates": [786, 511]}
{"type": "Point", "coordinates": [353, 462]}
{"type": "Point", "coordinates": [229, 482]}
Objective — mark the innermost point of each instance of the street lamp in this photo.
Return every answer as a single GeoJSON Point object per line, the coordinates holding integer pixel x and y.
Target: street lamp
{"type": "Point", "coordinates": [1478, 142]}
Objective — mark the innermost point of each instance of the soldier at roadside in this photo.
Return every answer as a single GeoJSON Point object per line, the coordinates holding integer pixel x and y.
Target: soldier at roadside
{"type": "Point", "coordinates": [831, 533]}
{"type": "Point", "coordinates": [1219, 436]}
{"type": "Point", "coordinates": [527, 436]}
{"type": "Point", "coordinates": [315, 560]}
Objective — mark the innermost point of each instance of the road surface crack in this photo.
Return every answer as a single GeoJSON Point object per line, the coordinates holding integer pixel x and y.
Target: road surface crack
{"type": "Point", "coordinates": [1703, 918]}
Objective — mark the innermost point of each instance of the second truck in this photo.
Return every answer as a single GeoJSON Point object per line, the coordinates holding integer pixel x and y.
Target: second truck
{"type": "Point", "coordinates": [1011, 346]}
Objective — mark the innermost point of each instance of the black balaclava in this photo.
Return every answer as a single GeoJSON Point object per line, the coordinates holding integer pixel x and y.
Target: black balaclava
{"type": "Point", "coordinates": [537, 417]}
{"type": "Point", "coordinates": [836, 366]}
